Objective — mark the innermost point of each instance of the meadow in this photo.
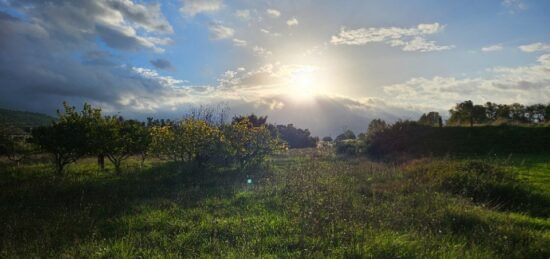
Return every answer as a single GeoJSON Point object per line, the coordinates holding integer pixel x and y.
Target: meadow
{"type": "Point", "coordinates": [302, 203]}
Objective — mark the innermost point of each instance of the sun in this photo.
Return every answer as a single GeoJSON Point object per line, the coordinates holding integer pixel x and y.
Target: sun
{"type": "Point", "coordinates": [303, 84]}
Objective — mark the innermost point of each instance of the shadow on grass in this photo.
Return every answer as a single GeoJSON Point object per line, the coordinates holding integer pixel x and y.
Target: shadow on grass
{"type": "Point", "coordinates": [41, 213]}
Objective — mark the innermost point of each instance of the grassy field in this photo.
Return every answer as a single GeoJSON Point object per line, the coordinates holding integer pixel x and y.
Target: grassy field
{"type": "Point", "coordinates": [303, 203]}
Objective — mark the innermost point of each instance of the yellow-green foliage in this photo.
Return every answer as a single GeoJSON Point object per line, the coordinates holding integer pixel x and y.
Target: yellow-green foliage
{"type": "Point", "coordinates": [249, 144]}
{"type": "Point", "coordinates": [189, 140]}
{"type": "Point", "coordinates": [198, 141]}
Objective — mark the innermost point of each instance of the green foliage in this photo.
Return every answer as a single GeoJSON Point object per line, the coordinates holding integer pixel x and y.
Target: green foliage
{"type": "Point", "coordinates": [14, 144]}
{"type": "Point", "coordinates": [296, 137]}
{"type": "Point", "coordinates": [249, 145]}
{"type": "Point", "coordinates": [410, 138]}
{"type": "Point", "coordinates": [256, 121]}
{"type": "Point", "coordinates": [327, 139]}
{"type": "Point", "coordinates": [190, 140]}
{"type": "Point", "coordinates": [194, 140]}
{"type": "Point", "coordinates": [65, 140]}
{"type": "Point", "coordinates": [76, 134]}
{"type": "Point", "coordinates": [123, 139]}
{"type": "Point", "coordinates": [468, 113]}
{"type": "Point", "coordinates": [375, 126]}
{"type": "Point", "coordinates": [348, 134]}
{"type": "Point", "coordinates": [347, 147]}
{"type": "Point", "coordinates": [431, 119]}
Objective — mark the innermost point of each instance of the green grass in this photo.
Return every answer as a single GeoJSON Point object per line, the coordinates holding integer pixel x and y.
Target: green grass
{"type": "Point", "coordinates": [533, 169]}
{"type": "Point", "coordinates": [302, 203]}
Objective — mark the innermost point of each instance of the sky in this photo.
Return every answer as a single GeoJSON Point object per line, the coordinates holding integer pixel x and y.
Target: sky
{"type": "Point", "coordinates": [323, 65]}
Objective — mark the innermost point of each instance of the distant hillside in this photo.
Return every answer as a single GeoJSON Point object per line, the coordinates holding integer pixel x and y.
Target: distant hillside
{"type": "Point", "coordinates": [23, 119]}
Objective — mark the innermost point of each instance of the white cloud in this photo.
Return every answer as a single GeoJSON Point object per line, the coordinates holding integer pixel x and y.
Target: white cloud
{"type": "Point", "coordinates": [524, 84]}
{"type": "Point", "coordinates": [410, 39]}
{"type": "Point", "coordinates": [191, 8]}
{"type": "Point", "coordinates": [419, 44]}
{"type": "Point", "coordinates": [146, 16]}
{"type": "Point", "coordinates": [534, 47]}
{"type": "Point", "coordinates": [270, 33]}
{"type": "Point", "coordinates": [219, 31]}
{"type": "Point", "coordinates": [496, 47]}
{"type": "Point", "coordinates": [273, 13]}
{"type": "Point", "coordinates": [514, 5]}
{"type": "Point", "coordinates": [262, 52]}
{"type": "Point", "coordinates": [292, 22]}
{"type": "Point", "coordinates": [243, 14]}
{"type": "Point", "coordinates": [166, 81]}
{"type": "Point", "coordinates": [239, 43]}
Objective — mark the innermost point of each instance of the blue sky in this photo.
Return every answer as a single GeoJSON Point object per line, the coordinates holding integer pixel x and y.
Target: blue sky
{"type": "Point", "coordinates": [323, 65]}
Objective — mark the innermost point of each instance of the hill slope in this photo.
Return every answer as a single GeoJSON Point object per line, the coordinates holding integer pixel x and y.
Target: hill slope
{"type": "Point", "coordinates": [23, 119]}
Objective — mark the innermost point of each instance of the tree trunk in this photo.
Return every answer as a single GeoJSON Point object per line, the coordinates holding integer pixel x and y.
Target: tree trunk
{"type": "Point", "coordinates": [117, 167]}
{"type": "Point", "coordinates": [59, 168]}
{"type": "Point", "coordinates": [142, 162]}
{"type": "Point", "coordinates": [101, 162]}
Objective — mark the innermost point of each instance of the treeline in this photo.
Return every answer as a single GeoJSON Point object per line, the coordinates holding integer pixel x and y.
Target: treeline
{"type": "Point", "coordinates": [500, 129]}
{"type": "Point", "coordinates": [490, 113]}
{"type": "Point", "coordinates": [201, 137]}
{"type": "Point", "coordinates": [414, 139]}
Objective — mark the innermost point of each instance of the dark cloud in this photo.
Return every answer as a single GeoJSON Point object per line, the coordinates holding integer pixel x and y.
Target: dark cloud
{"type": "Point", "coordinates": [162, 64]}
{"type": "Point", "coordinates": [98, 58]}
{"type": "Point", "coordinates": [49, 54]}
{"type": "Point", "coordinates": [117, 39]}
{"type": "Point", "coordinates": [79, 22]}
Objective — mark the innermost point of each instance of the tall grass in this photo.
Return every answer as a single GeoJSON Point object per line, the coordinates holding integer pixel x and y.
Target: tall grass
{"type": "Point", "coordinates": [302, 204]}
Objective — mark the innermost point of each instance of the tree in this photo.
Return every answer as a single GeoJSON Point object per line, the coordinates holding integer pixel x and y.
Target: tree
{"type": "Point", "coordinates": [253, 120]}
{"type": "Point", "coordinates": [124, 138]}
{"type": "Point", "coordinates": [249, 145]}
{"type": "Point", "coordinates": [430, 119]}
{"type": "Point", "coordinates": [164, 145]}
{"type": "Point", "coordinates": [375, 126]}
{"type": "Point", "coordinates": [327, 139]}
{"type": "Point", "coordinates": [14, 144]}
{"type": "Point", "coordinates": [97, 133]}
{"type": "Point", "coordinates": [547, 113]}
{"type": "Point", "coordinates": [491, 111]}
{"type": "Point", "coordinates": [518, 113]}
{"type": "Point", "coordinates": [467, 112]}
{"type": "Point", "coordinates": [503, 112]}
{"type": "Point", "coordinates": [348, 134]}
{"type": "Point", "coordinates": [535, 113]}
{"type": "Point", "coordinates": [189, 140]}
{"type": "Point", "coordinates": [462, 112]}
{"type": "Point", "coordinates": [63, 140]}
{"type": "Point", "coordinates": [479, 115]}
{"type": "Point", "coordinates": [296, 137]}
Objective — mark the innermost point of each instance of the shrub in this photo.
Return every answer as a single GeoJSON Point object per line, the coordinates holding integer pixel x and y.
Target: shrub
{"type": "Point", "coordinates": [482, 183]}
{"type": "Point", "coordinates": [411, 138]}
{"type": "Point", "coordinates": [347, 147]}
